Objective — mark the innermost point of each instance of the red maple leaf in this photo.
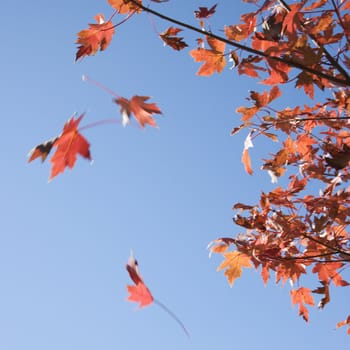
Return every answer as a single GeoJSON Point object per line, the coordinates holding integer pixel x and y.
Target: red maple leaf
{"type": "Point", "coordinates": [96, 38]}
{"type": "Point", "coordinates": [69, 144]}
{"type": "Point", "coordinates": [139, 292]}
{"type": "Point", "coordinates": [141, 110]}
{"type": "Point", "coordinates": [204, 12]}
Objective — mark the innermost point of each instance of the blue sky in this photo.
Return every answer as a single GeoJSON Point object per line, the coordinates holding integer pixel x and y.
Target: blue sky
{"type": "Point", "coordinates": [164, 193]}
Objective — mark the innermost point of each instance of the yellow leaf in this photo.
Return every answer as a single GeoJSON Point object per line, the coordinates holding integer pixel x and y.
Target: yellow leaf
{"type": "Point", "coordinates": [233, 263]}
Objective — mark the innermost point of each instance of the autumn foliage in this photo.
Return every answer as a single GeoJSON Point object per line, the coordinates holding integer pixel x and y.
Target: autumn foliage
{"type": "Point", "coordinates": [300, 227]}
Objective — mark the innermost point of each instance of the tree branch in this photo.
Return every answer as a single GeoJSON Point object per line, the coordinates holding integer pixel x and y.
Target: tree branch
{"type": "Point", "coordinates": [329, 57]}
{"type": "Point", "coordinates": [338, 81]}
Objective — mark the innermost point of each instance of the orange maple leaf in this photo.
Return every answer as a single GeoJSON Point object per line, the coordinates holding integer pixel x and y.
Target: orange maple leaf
{"type": "Point", "coordinates": [141, 110]}
{"type": "Point", "coordinates": [246, 162]}
{"type": "Point", "coordinates": [214, 59]}
{"type": "Point", "coordinates": [125, 6]}
{"type": "Point", "coordinates": [343, 323]}
{"type": "Point", "coordinates": [96, 38]}
{"type": "Point", "coordinates": [243, 30]}
{"type": "Point", "coordinates": [328, 271]}
{"type": "Point", "coordinates": [301, 296]}
{"type": "Point", "coordinates": [233, 263]}
{"type": "Point", "coordinates": [69, 144]}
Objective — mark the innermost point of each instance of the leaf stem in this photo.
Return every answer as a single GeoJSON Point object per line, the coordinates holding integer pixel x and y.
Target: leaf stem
{"type": "Point", "coordinates": [166, 309]}
{"type": "Point", "coordinates": [119, 23]}
{"type": "Point", "coordinates": [101, 86]}
{"type": "Point", "coordinates": [101, 122]}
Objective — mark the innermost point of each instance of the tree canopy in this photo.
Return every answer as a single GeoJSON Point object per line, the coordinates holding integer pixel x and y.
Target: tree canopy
{"type": "Point", "coordinates": [300, 227]}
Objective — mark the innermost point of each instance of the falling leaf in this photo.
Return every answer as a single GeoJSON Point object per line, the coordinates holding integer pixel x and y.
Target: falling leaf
{"type": "Point", "coordinates": [214, 59]}
{"type": "Point", "coordinates": [96, 38]}
{"type": "Point", "coordinates": [42, 150]}
{"type": "Point", "coordinates": [69, 144]}
{"type": "Point", "coordinates": [139, 292]}
{"type": "Point", "coordinates": [233, 263]}
{"type": "Point", "coordinates": [141, 110]}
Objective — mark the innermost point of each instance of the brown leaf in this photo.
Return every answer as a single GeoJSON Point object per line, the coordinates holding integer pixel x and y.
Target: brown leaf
{"type": "Point", "coordinates": [170, 38]}
{"type": "Point", "coordinates": [204, 12]}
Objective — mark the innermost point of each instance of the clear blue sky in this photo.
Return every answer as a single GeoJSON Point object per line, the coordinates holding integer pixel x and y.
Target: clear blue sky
{"type": "Point", "coordinates": [164, 193]}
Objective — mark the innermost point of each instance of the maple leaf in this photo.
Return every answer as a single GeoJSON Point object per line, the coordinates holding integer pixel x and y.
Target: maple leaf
{"type": "Point", "coordinates": [214, 59]}
{"type": "Point", "coordinates": [292, 21]}
{"type": "Point", "coordinates": [69, 144]}
{"type": "Point", "coordinates": [233, 263]}
{"type": "Point", "coordinates": [328, 271]}
{"type": "Point", "coordinates": [96, 38]}
{"type": "Point", "coordinates": [139, 292]}
{"type": "Point", "coordinates": [323, 290]}
{"type": "Point", "coordinates": [338, 157]}
{"type": "Point", "coordinates": [343, 323]}
{"type": "Point", "coordinates": [278, 73]}
{"type": "Point", "coordinates": [246, 162]}
{"type": "Point", "coordinates": [204, 12]}
{"type": "Point", "coordinates": [141, 110]}
{"type": "Point", "coordinates": [248, 66]}
{"type": "Point", "coordinates": [125, 6]}
{"type": "Point", "coordinates": [243, 30]}
{"type": "Point", "coordinates": [42, 150]}
{"type": "Point", "coordinates": [302, 296]}
{"type": "Point", "coordinates": [169, 37]}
